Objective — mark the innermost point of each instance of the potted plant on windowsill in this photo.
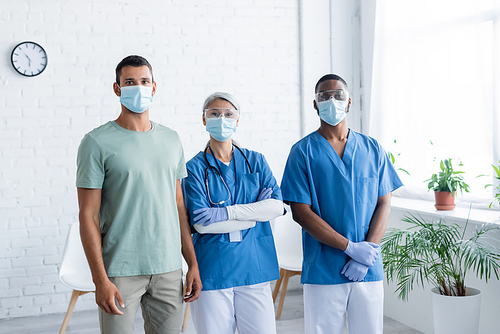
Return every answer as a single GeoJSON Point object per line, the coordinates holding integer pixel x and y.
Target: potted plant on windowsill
{"type": "Point", "coordinates": [438, 254]}
{"type": "Point", "coordinates": [445, 184]}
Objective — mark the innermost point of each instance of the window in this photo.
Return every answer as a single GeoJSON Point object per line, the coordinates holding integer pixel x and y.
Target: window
{"type": "Point", "coordinates": [436, 77]}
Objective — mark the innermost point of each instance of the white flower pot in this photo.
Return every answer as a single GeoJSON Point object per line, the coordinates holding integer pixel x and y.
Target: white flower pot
{"type": "Point", "coordinates": [456, 315]}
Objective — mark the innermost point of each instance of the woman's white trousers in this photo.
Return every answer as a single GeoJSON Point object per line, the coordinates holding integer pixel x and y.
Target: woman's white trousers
{"type": "Point", "coordinates": [249, 308]}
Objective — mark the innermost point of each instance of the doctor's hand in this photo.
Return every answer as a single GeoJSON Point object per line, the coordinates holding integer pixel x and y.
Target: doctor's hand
{"type": "Point", "coordinates": [363, 252]}
{"type": "Point", "coordinates": [265, 193]}
{"type": "Point", "coordinates": [354, 271]}
{"type": "Point", "coordinates": [207, 216]}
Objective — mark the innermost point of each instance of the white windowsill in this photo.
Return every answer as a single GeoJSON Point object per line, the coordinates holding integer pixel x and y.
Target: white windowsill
{"type": "Point", "coordinates": [477, 216]}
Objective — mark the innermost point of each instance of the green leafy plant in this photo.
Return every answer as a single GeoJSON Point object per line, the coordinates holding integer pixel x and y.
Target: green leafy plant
{"type": "Point", "coordinates": [447, 179]}
{"type": "Point", "coordinates": [437, 253]}
{"type": "Point", "coordinates": [392, 157]}
{"type": "Point", "coordinates": [496, 189]}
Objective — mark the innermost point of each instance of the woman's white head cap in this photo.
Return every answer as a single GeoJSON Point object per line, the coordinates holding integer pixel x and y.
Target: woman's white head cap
{"type": "Point", "coordinates": [222, 96]}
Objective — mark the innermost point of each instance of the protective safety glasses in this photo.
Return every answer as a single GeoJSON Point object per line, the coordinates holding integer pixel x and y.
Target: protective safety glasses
{"type": "Point", "coordinates": [337, 94]}
{"type": "Point", "coordinates": [221, 112]}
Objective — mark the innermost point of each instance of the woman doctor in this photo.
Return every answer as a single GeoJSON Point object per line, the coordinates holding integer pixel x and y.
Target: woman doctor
{"type": "Point", "coordinates": [231, 194]}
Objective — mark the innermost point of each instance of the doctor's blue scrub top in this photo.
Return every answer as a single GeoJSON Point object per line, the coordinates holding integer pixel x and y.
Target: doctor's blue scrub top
{"type": "Point", "coordinates": [343, 192]}
{"type": "Point", "coordinates": [224, 264]}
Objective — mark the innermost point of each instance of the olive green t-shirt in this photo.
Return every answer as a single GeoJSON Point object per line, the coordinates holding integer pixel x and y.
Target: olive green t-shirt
{"type": "Point", "coordinates": [137, 172]}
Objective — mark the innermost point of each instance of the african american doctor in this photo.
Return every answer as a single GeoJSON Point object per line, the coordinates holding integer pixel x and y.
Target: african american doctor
{"type": "Point", "coordinates": [339, 184]}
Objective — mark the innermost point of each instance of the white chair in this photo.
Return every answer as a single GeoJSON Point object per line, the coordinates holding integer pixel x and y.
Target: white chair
{"type": "Point", "coordinates": [288, 240]}
{"type": "Point", "coordinates": [75, 274]}
{"type": "Point", "coordinates": [75, 271]}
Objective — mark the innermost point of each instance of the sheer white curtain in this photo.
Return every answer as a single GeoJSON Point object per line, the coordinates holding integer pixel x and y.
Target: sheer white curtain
{"type": "Point", "coordinates": [436, 78]}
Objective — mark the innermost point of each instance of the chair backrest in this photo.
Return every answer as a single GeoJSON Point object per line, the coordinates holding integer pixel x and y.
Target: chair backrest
{"type": "Point", "coordinates": [74, 263]}
{"type": "Point", "coordinates": [288, 237]}
{"type": "Point", "coordinates": [185, 268]}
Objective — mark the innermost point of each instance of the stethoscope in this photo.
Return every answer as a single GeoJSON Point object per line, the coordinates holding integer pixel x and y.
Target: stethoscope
{"type": "Point", "coordinates": [217, 171]}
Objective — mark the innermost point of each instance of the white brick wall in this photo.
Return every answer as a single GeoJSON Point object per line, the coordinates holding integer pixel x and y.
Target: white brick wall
{"type": "Point", "coordinates": [249, 48]}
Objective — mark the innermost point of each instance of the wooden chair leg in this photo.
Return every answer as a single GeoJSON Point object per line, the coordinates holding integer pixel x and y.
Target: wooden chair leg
{"type": "Point", "coordinates": [186, 317]}
{"type": "Point", "coordinates": [71, 306]}
{"type": "Point", "coordinates": [186, 312]}
{"type": "Point", "coordinates": [278, 284]}
{"type": "Point", "coordinates": [285, 277]}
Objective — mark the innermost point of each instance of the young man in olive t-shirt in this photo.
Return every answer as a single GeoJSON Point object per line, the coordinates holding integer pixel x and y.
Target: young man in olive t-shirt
{"type": "Point", "coordinates": [133, 221]}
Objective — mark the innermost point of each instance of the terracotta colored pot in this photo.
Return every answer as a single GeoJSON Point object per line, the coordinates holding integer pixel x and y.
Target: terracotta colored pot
{"type": "Point", "coordinates": [444, 200]}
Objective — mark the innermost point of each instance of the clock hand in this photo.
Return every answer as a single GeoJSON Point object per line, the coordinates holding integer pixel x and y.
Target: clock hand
{"type": "Point", "coordinates": [29, 64]}
{"type": "Point", "coordinates": [29, 60]}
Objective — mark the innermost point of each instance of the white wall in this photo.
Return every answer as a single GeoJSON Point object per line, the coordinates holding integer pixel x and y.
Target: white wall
{"type": "Point", "coordinates": [268, 53]}
{"type": "Point", "coordinates": [196, 47]}
{"type": "Point", "coordinates": [331, 43]}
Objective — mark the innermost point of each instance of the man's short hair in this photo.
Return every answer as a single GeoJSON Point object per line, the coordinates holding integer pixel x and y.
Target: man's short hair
{"type": "Point", "coordinates": [330, 77]}
{"type": "Point", "coordinates": [135, 61]}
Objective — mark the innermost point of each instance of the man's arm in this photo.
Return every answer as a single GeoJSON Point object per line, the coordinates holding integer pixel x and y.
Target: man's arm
{"type": "Point", "coordinates": [90, 232]}
{"type": "Point", "coordinates": [317, 227]}
{"type": "Point", "coordinates": [356, 271]}
{"type": "Point", "coordinates": [193, 281]}
{"type": "Point", "coordinates": [380, 218]}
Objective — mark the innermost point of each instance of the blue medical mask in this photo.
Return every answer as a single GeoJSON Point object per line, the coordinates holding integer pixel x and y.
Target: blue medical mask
{"type": "Point", "coordinates": [136, 98]}
{"type": "Point", "coordinates": [332, 111]}
{"type": "Point", "coordinates": [221, 128]}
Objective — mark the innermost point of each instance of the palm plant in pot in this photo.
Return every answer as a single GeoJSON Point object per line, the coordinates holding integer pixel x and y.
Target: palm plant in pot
{"type": "Point", "coordinates": [440, 255]}
{"type": "Point", "coordinates": [445, 184]}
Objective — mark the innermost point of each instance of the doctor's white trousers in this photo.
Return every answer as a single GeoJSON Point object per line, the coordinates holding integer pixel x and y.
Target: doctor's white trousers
{"type": "Point", "coordinates": [326, 305]}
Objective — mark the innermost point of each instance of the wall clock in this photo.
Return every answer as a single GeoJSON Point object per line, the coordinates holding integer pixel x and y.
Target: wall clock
{"type": "Point", "coordinates": [29, 59]}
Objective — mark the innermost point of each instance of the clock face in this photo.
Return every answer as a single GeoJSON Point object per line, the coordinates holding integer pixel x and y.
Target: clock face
{"type": "Point", "coordinates": [29, 59]}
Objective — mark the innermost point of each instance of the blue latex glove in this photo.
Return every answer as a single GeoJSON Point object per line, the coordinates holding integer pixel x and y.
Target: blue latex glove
{"type": "Point", "coordinates": [363, 252]}
{"type": "Point", "coordinates": [207, 216]}
{"type": "Point", "coordinates": [265, 193]}
{"type": "Point", "coordinates": [354, 271]}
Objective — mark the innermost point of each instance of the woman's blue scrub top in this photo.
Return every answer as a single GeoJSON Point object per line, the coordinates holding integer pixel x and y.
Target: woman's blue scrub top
{"type": "Point", "coordinates": [224, 264]}
{"type": "Point", "coordinates": [343, 192]}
